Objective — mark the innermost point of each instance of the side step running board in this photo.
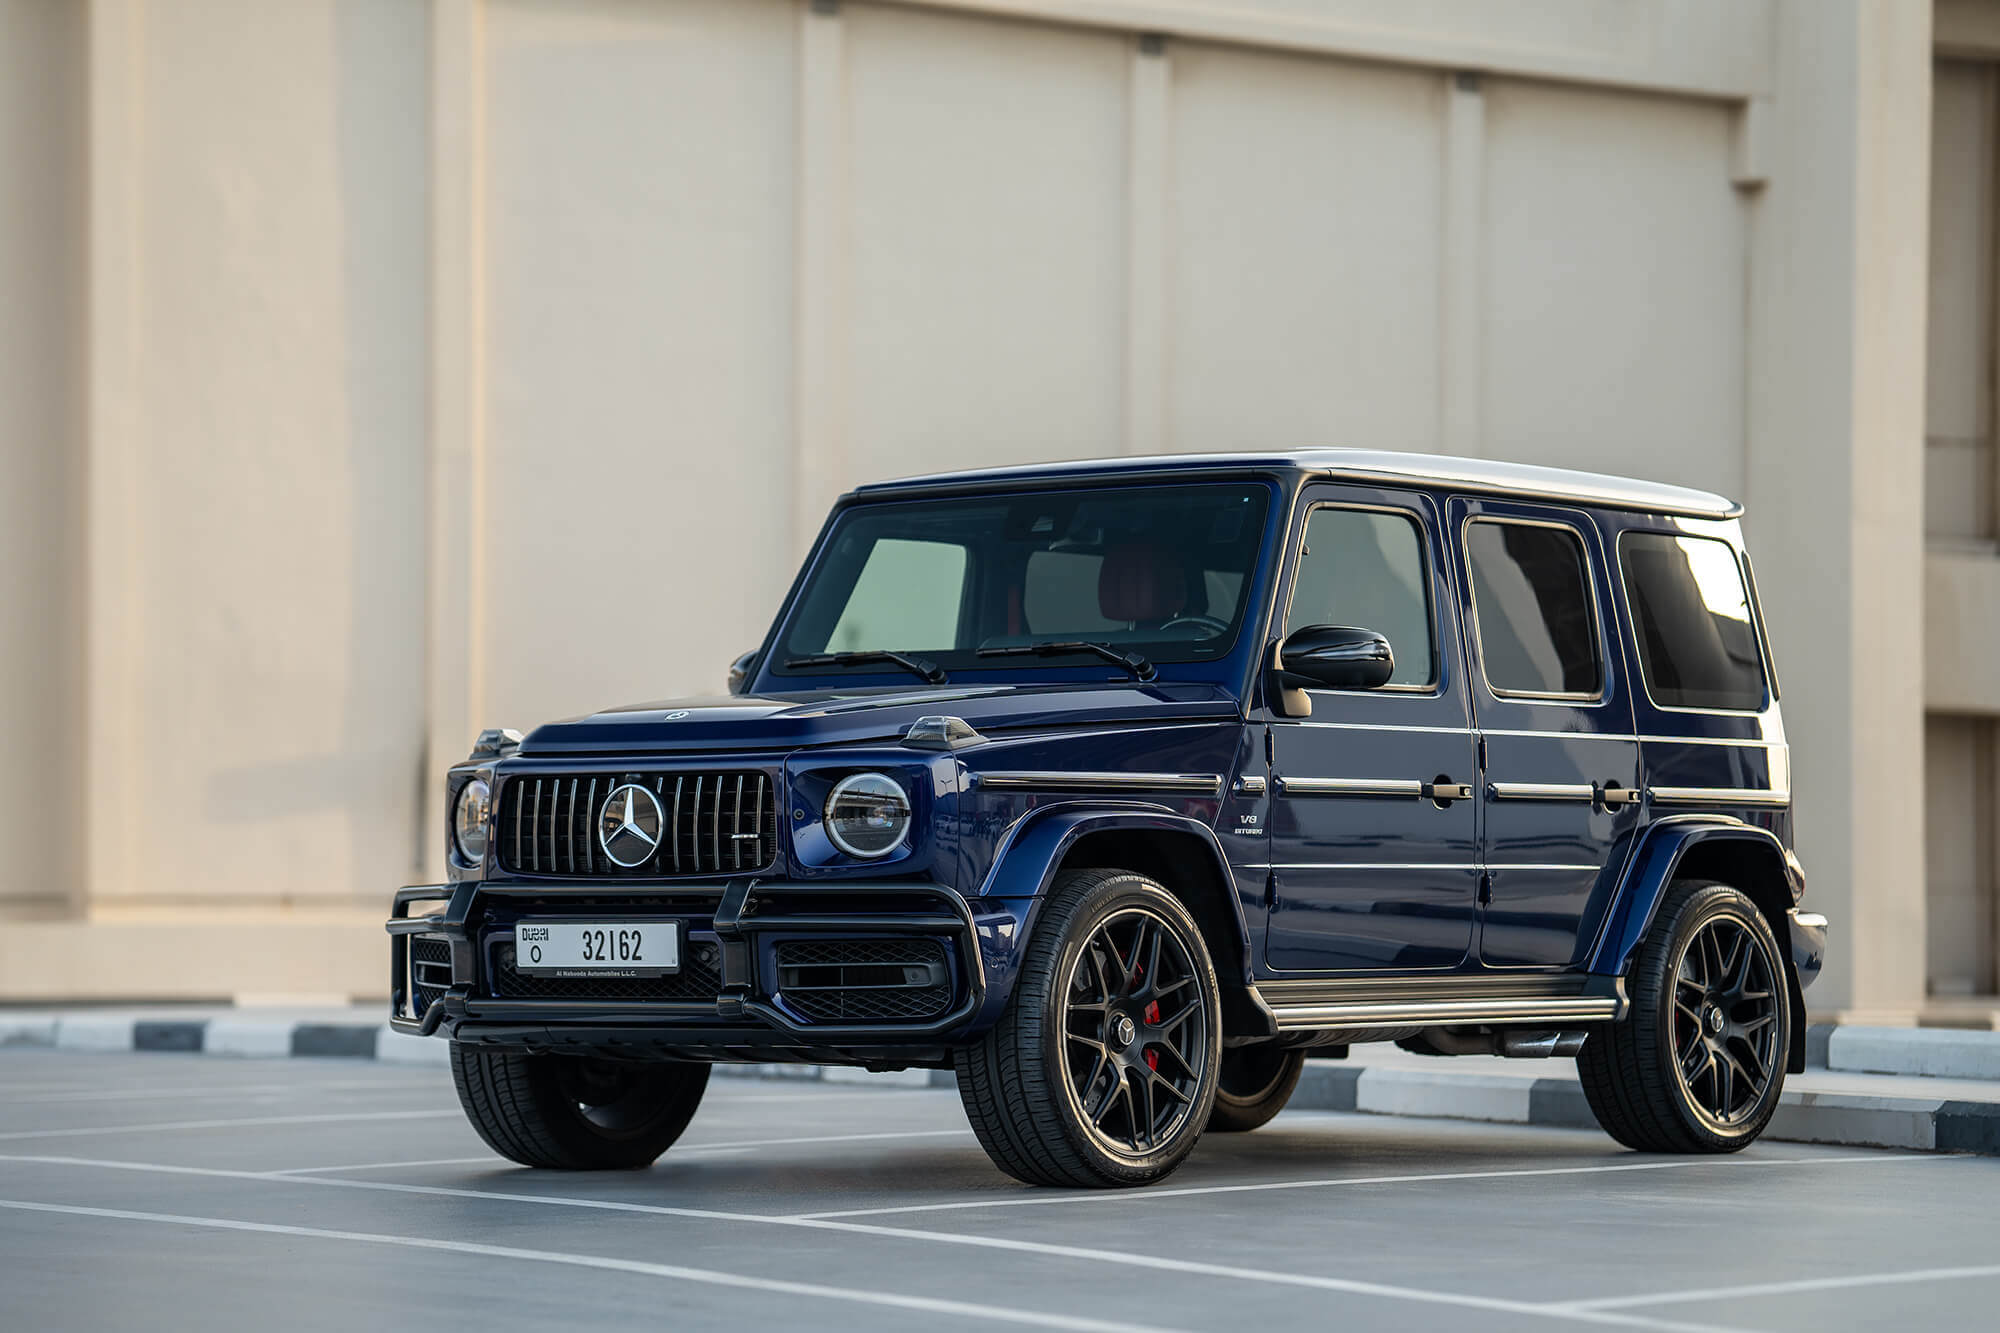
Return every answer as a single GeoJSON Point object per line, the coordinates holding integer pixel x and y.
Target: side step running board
{"type": "Point", "coordinates": [1466, 1007]}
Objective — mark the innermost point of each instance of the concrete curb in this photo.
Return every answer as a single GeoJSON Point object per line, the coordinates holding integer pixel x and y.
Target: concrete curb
{"type": "Point", "coordinates": [1920, 1052]}
{"type": "Point", "coordinates": [1924, 1124]}
{"type": "Point", "coordinates": [1918, 1123]}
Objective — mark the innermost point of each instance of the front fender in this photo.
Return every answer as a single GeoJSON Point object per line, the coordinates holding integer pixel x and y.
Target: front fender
{"type": "Point", "coordinates": [1033, 850]}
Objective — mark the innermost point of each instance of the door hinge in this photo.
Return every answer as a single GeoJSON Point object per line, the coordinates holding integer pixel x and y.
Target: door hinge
{"type": "Point", "coordinates": [1270, 748]}
{"type": "Point", "coordinates": [1270, 889]}
{"type": "Point", "coordinates": [1485, 888]}
{"type": "Point", "coordinates": [1482, 754]}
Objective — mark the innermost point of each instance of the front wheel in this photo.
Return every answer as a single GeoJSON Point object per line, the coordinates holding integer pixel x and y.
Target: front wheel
{"type": "Point", "coordinates": [1699, 1064]}
{"type": "Point", "coordinates": [575, 1113]}
{"type": "Point", "coordinates": [1102, 1069]}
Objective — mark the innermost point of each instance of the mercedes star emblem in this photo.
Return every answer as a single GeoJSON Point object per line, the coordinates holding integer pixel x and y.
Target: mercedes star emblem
{"type": "Point", "coordinates": [630, 824]}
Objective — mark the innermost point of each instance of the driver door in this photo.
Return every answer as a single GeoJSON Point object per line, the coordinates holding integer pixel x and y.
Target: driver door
{"type": "Point", "coordinates": [1373, 864]}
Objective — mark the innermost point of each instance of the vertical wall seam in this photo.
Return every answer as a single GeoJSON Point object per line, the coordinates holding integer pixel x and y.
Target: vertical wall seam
{"type": "Point", "coordinates": [1148, 172]}
{"type": "Point", "coordinates": [1461, 285]}
{"type": "Point", "coordinates": [820, 254]}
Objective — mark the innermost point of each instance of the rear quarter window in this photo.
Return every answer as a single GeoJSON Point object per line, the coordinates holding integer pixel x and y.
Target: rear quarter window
{"type": "Point", "coordinates": [1691, 613]}
{"type": "Point", "coordinates": [1531, 600]}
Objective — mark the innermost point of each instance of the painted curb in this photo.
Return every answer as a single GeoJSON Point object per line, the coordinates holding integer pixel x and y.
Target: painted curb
{"type": "Point", "coordinates": [1846, 1119]}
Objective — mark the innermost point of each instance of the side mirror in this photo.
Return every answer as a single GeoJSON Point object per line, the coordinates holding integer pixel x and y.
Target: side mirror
{"type": "Point", "coordinates": [739, 672]}
{"type": "Point", "coordinates": [1337, 657]}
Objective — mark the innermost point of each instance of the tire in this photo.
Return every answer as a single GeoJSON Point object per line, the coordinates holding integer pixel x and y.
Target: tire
{"type": "Point", "coordinates": [1255, 1084]}
{"type": "Point", "coordinates": [575, 1113]}
{"type": "Point", "coordinates": [1709, 995]}
{"type": "Point", "coordinates": [1082, 1022]}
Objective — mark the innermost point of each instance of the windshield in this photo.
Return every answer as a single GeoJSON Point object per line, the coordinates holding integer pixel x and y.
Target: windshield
{"type": "Point", "coordinates": [1160, 571]}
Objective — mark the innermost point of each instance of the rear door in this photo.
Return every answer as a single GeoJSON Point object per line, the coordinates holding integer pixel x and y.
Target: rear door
{"type": "Point", "coordinates": [1561, 769]}
{"type": "Point", "coordinates": [1368, 871]}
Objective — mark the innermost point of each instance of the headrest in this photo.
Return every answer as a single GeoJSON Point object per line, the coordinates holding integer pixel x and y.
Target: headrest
{"type": "Point", "coordinates": [1140, 583]}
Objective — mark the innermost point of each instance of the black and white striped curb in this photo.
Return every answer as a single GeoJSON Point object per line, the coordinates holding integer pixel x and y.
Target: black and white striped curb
{"type": "Point", "coordinates": [1924, 1124]}
{"type": "Point", "coordinates": [1910, 1122]}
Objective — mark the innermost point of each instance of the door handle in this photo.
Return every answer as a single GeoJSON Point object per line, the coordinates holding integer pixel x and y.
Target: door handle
{"type": "Point", "coordinates": [1610, 795]}
{"type": "Point", "coordinates": [1444, 789]}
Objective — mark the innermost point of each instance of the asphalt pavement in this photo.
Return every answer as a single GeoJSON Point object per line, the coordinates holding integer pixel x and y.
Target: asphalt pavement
{"type": "Point", "coordinates": [161, 1191]}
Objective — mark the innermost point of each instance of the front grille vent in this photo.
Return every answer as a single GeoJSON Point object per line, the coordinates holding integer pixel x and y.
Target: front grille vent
{"type": "Point", "coordinates": [716, 823]}
{"type": "Point", "coordinates": [864, 981]}
{"type": "Point", "coordinates": [430, 971]}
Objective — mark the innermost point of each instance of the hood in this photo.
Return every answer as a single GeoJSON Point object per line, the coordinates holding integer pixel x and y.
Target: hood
{"type": "Point", "coordinates": [824, 717]}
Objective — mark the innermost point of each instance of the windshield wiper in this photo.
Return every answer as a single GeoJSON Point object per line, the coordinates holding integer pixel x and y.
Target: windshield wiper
{"type": "Point", "coordinates": [1132, 662]}
{"type": "Point", "coordinates": [930, 671]}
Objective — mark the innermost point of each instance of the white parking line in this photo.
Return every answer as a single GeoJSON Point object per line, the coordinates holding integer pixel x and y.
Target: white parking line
{"type": "Point", "coordinates": [1795, 1287]}
{"type": "Point", "coordinates": [1120, 1258]}
{"type": "Point", "coordinates": [672, 1272]}
{"type": "Point", "coordinates": [740, 1145]}
{"type": "Point", "coordinates": [218, 1091]}
{"type": "Point", "coordinates": [358, 1116]}
{"type": "Point", "coordinates": [1128, 1196]}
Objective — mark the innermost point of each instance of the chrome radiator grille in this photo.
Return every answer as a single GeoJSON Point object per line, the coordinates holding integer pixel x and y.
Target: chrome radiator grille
{"type": "Point", "coordinates": [716, 823]}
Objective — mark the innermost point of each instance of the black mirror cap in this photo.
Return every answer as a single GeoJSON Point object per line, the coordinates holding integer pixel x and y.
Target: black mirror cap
{"type": "Point", "coordinates": [1338, 657]}
{"type": "Point", "coordinates": [741, 670]}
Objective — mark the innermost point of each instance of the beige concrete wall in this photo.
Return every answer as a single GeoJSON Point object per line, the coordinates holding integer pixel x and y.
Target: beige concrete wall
{"type": "Point", "coordinates": [42, 274]}
{"type": "Point", "coordinates": [419, 337]}
{"type": "Point", "coordinates": [274, 458]}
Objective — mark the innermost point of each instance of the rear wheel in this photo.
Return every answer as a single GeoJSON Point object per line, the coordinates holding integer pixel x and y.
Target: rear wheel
{"type": "Point", "coordinates": [1699, 1064]}
{"type": "Point", "coordinates": [575, 1113]}
{"type": "Point", "coordinates": [1102, 1069]}
{"type": "Point", "coordinates": [1256, 1083]}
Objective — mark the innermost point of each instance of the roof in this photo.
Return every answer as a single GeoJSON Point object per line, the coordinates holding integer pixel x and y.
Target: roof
{"type": "Point", "coordinates": [1481, 475]}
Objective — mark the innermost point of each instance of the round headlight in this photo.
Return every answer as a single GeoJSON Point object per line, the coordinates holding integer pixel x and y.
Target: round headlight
{"type": "Point", "coordinates": [867, 815]}
{"type": "Point", "coordinates": [469, 821]}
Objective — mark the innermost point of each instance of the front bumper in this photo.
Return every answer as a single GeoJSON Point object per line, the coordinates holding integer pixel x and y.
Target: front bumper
{"type": "Point", "coordinates": [738, 924]}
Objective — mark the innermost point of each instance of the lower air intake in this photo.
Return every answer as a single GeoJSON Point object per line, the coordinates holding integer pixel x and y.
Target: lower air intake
{"type": "Point", "coordinates": [864, 981]}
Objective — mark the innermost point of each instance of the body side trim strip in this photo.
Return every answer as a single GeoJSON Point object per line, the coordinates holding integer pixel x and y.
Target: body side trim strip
{"type": "Point", "coordinates": [1407, 788]}
{"type": "Point", "coordinates": [1542, 791]}
{"type": "Point", "coordinates": [1193, 784]}
{"type": "Point", "coordinates": [1724, 796]}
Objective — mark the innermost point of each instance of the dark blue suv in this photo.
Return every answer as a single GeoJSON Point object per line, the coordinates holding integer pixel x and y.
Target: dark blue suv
{"type": "Point", "coordinates": [1121, 788]}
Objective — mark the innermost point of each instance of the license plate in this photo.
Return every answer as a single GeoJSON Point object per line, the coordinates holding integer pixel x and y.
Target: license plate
{"type": "Point", "coordinates": [597, 948]}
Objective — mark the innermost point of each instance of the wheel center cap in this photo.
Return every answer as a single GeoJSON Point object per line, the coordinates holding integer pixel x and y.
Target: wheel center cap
{"type": "Point", "coordinates": [1124, 1030]}
{"type": "Point", "coordinates": [1713, 1019]}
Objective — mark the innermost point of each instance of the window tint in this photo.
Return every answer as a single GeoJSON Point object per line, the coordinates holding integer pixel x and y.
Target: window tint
{"type": "Point", "coordinates": [1531, 597]}
{"type": "Point", "coordinates": [907, 598]}
{"type": "Point", "coordinates": [1365, 568]}
{"type": "Point", "coordinates": [1697, 641]}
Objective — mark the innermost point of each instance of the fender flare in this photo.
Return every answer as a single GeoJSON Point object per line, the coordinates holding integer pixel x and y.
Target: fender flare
{"type": "Point", "coordinates": [1025, 864]}
{"type": "Point", "coordinates": [1653, 867]}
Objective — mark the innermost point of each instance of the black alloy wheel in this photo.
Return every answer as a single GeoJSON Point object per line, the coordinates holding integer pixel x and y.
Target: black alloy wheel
{"type": "Point", "coordinates": [1726, 1020]}
{"type": "Point", "coordinates": [1102, 1068]}
{"type": "Point", "coordinates": [1137, 1033]}
{"type": "Point", "coordinates": [1699, 1063]}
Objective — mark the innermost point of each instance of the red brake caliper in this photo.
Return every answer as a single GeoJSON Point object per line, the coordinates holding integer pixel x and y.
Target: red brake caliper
{"type": "Point", "coordinates": [1152, 1016]}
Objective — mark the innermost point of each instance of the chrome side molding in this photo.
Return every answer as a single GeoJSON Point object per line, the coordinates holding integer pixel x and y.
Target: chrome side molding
{"type": "Point", "coordinates": [1408, 789]}
{"type": "Point", "coordinates": [1760, 796]}
{"type": "Point", "coordinates": [1185, 784]}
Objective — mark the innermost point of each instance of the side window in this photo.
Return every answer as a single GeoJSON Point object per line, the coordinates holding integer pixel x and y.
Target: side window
{"type": "Point", "coordinates": [906, 598]}
{"type": "Point", "coordinates": [1697, 641]}
{"type": "Point", "coordinates": [1531, 601]}
{"type": "Point", "coordinates": [1365, 568]}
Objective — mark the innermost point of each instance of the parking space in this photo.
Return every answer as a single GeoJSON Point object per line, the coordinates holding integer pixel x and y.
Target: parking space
{"type": "Point", "coordinates": [162, 1191]}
